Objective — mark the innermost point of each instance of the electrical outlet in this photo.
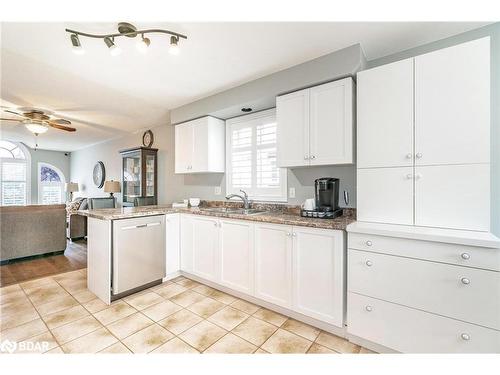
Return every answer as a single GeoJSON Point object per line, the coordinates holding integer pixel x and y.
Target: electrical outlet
{"type": "Point", "coordinates": [218, 190]}
{"type": "Point", "coordinates": [291, 192]}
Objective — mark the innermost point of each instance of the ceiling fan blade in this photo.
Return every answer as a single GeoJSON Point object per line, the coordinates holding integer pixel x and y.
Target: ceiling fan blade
{"type": "Point", "coordinates": [61, 121]}
{"type": "Point", "coordinates": [61, 127]}
{"type": "Point", "coordinates": [11, 119]}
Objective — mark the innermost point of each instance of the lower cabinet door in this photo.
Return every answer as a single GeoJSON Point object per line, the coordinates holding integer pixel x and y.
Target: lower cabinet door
{"type": "Point", "coordinates": [186, 243]}
{"type": "Point", "coordinates": [236, 255]}
{"type": "Point", "coordinates": [273, 263]}
{"type": "Point", "coordinates": [409, 330]}
{"type": "Point", "coordinates": [172, 244]}
{"type": "Point", "coordinates": [205, 246]}
{"type": "Point", "coordinates": [318, 274]}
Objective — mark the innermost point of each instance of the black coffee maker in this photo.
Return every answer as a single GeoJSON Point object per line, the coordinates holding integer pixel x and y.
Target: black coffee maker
{"type": "Point", "coordinates": [327, 196]}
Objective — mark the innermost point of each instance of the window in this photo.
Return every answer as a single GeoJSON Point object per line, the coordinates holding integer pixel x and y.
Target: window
{"type": "Point", "coordinates": [14, 173]}
{"type": "Point", "coordinates": [50, 184]}
{"type": "Point", "coordinates": [251, 157]}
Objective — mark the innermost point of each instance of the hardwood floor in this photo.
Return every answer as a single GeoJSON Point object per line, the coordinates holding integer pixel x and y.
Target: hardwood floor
{"type": "Point", "coordinates": [74, 258]}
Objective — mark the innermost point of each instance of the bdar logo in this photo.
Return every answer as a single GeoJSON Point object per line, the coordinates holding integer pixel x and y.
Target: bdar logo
{"type": "Point", "coordinates": [8, 346]}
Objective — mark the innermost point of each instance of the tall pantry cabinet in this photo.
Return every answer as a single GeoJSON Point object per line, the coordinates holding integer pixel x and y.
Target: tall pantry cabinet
{"type": "Point", "coordinates": [424, 140]}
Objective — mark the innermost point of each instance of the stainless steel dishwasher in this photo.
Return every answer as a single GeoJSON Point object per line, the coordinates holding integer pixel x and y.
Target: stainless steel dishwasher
{"type": "Point", "coordinates": [138, 253]}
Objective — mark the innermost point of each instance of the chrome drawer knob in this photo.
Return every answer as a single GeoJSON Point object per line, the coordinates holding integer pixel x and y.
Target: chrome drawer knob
{"type": "Point", "coordinates": [419, 155]}
{"type": "Point", "coordinates": [465, 336]}
{"type": "Point", "coordinates": [465, 281]}
{"type": "Point", "coordinates": [369, 243]}
{"type": "Point", "coordinates": [288, 233]}
{"type": "Point", "coordinates": [408, 156]}
{"type": "Point", "coordinates": [368, 308]}
{"type": "Point", "coordinates": [465, 256]}
{"type": "Point", "coordinates": [306, 157]}
{"type": "Point", "coordinates": [313, 157]}
{"type": "Point", "coordinates": [369, 263]}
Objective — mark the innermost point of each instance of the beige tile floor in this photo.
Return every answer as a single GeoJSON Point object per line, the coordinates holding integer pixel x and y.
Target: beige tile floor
{"type": "Point", "coordinates": [179, 316]}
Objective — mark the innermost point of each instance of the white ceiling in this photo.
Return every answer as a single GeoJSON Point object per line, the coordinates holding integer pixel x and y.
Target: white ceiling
{"type": "Point", "coordinates": [107, 96]}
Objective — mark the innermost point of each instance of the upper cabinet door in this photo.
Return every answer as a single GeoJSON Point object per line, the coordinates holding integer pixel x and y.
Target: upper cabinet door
{"type": "Point", "coordinates": [331, 126]}
{"type": "Point", "coordinates": [183, 148]}
{"type": "Point", "coordinates": [292, 115]}
{"type": "Point", "coordinates": [200, 145]}
{"type": "Point", "coordinates": [385, 116]}
{"type": "Point", "coordinates": [452, 105]}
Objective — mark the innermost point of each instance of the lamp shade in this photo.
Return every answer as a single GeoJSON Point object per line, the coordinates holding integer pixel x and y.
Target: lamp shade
{"type": "Point", "coordinates": [71, 187]}
{"type": "Point", "coordinates": [112, 186]}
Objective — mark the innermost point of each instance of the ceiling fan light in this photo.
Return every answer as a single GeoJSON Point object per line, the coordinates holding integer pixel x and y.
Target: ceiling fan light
{"type": "Point", "coordinates": [77, 47]}
{"type": "Point", "coordinates": [36, 128]}
{"type": "Point", "coordinates": [174, 45]}
{"type": "Point", "coordinates": [143, 44]}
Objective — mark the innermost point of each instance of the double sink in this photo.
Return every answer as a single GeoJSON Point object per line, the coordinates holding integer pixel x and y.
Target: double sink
{"type": "Point", "coordinates": [237, 211]}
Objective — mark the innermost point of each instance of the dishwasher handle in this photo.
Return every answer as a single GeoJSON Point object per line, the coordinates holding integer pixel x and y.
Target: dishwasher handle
{"type": "Point", "coordinates": [141, 226]}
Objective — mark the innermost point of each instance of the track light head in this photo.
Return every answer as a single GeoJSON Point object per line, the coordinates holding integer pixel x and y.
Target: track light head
{"type": "Point", "coordinates": [174, 45]}
{"type": "Point", "coordinates": [114, 50]}
{"type": "Point", "coordinates": [143, 44]}
{"type": "Point", "coordinates": [77, 47]}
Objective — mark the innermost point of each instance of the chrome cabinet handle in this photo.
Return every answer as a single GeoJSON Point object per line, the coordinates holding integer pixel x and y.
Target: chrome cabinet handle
{"type": "Point", "coordinates": [294, 234]}
{"type": "Point", "coordinates": [369, 308]}
{"type": "Point", "coordinates": [409, 155]}
{"type": "Point", "coordinates": [419, 155]}
{"type": "Point", "coordinates": [409, 176]}
{"type": "Point", "coordinates": [306, 157]}
{"type": "Point", "coordinates": [465, 256]}
{"type": "Point", "coordinates": [288, 234]}
{"type": "Point", "coordinates": [313, 157]}
{"type": "Point", "coordinates": [465, 336]}
{"type": "Point", "coordinates": [465, 280]}
{"type": "Point", "coordinates": [369, 263]}
{"type": "Point", "coordinates": [369, 243]}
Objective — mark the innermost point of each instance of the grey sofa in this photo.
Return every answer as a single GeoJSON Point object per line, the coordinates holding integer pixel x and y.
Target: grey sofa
{"type": "Point", "coordinates": [32, 230]}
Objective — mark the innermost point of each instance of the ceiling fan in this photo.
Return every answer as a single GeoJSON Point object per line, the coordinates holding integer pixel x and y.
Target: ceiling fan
{"type": "Point", "coordinates": [38, 121]}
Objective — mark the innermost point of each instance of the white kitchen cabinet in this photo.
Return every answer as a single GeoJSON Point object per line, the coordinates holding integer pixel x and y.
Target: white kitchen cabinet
{"type": "Point", "coordinates": [453, 196]}
{"type": "Point", "coordinates": [318, 273]}
{"type": "Point", "coordinates": [292, 116]}
{"type": "Point", "coordinates": [427, 118]}
{"type": "Point", "coordinates": [315, 125]}
{"type": "Point", "coordinates": [236, 255]}
{"type": "Point", "coordinates": [205, 247]}
{"type": "Point", "coordinates": [385, 195]}
{"type": "Point", "coordinates": [452, 105]}
{"type": "Point", "coordinates": [385, 116]}
{"type": "Point", "coordinates": [200, 146]}
{"type": "Point", "coordinates": [331, 123]}
{"type": "Point", "coordinates": [172, 243]}
{"type": "Point", "coordinates": [273, 263]}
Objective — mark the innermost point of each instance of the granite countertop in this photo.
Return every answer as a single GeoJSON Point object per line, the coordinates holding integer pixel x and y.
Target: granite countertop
{"type": "Point", "coordinates": [274, 216]}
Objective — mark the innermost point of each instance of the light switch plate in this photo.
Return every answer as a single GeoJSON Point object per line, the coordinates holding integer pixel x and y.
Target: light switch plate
{"type": "Point", "coordinates": [291, 192]}
{"type": "Point", "coordinates": [218, 190]}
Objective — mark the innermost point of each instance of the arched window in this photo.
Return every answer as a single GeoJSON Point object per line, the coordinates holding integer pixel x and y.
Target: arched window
{"type": "Point", "coordinates": [50, 184]}
{"type": "Point", "coordinates": [15, 171]}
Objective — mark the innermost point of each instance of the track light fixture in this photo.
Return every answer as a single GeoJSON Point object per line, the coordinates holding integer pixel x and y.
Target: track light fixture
{"type": "Point", "coordinates": [143, 44]}
{"type": "Point", "coordinates": [77, 47]}
{"type": "Point", "coordinates": [114, 50]}
{"type": "Point", "coordinates": [130, 31]}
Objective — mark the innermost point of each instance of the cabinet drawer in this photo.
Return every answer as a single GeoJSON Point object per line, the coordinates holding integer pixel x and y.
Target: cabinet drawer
{"type": "Point", "coordinates": [467, 294]}
{"type": "Point", "coordinates": [468, 256]}
{"type": "Point", "coordinates": [412, 331]}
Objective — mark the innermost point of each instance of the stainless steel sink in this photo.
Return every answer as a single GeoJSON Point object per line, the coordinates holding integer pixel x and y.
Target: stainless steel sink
{"type": "Point", "coordinates": [238, 211]}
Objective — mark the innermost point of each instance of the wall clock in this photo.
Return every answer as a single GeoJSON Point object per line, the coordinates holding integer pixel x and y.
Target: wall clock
{"type": "Point", "coordinates": [148, 138]}
{"type": "Point", "coordinates": [99, 174]}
